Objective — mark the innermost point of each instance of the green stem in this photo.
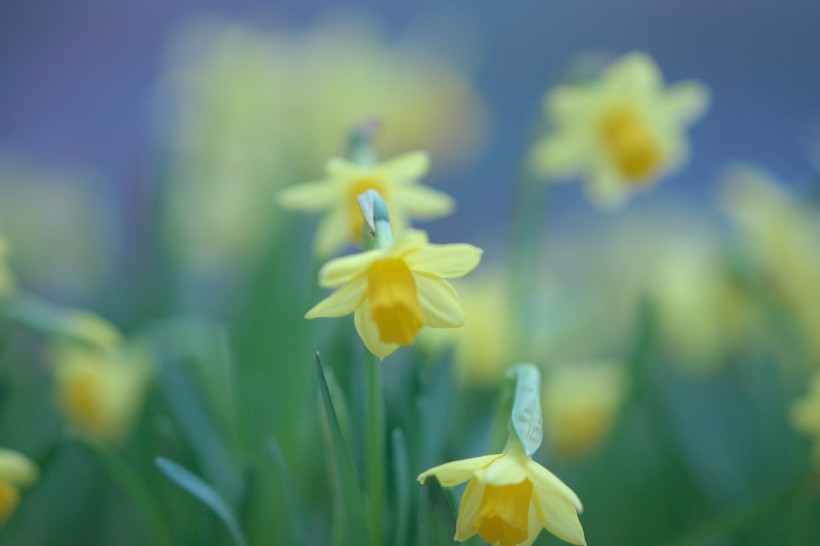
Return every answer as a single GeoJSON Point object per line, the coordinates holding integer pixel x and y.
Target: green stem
{"type": "Point", "coordinates": [376, 452]}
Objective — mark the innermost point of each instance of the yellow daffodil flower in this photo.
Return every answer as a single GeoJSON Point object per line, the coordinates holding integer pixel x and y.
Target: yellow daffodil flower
{"type": "Point", "coordinates": [805, 414]}
{"type": "Point", "coordinates": [395, 180]}
{"type": "Point", "coordinates": [580, 404]}
{"type": "Point", "coordinates": [16, 471]}
{"type": "Point", "coordinates": [510, 498]}
{"type": "Point", "coordinates": [394, 291]}
{"type": "Point", "coordinates": [621, 132]}
{"type": "Point", "coordinates": [100, 390]}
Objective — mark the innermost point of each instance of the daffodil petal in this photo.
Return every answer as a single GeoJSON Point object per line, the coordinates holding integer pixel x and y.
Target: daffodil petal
{"type": "Point", "coordinates": [16, 468]}
{"type": "Point", "coordinates": [567, 104]}
{"type": "Point", "coordinates": [456, 472]}
{"type": "Point", "coordinates": [336, 167]}
{"type": "Point", "coordinates": [342, 302]}
{"type": "Point", "coordinates": [409, 166]}
{"type": "Point", "coordinates": [606, 186]}
{"type": "Point", "coordinates": [308, 196]}
{"type": "Point", "coordinates": [424, 203]}
{"type": "Point", "coordinates": [686, 101]}
{"type": "Point", "coordinates": [560, 155]}
{"type": "Point", "coordinates": [340, 270]}
{"type": "Point", "coordinates": [439, 302]}
{"type": "Point", "coordinates": [508, 469]}
{"type": "Point", "coordinates": [444, 261]}
{"type": "Point", "coordinates": [534, 526]}
{"type": "Point", "coordinates": [369, 332]}
{"type": "Point", "coordinates": [634, 73]}
{"type": "Point", "coordinates": [549, 485]}
{"type": "Point", "coordinates": [468, 509]}
{"type": "Point", "coordinates": [406, 242]}
{"type": "Point", "coordinates": [333, 233]}
{"type": "Point", "coordinates": [558, 515]}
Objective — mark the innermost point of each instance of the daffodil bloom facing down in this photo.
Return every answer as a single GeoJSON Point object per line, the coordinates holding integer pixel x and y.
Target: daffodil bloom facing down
{"type": "Point", "coordinates": [395, 180]}
{"type": "Point", "coordinates": [622, 132]}
{"type": "Point", "coordinates": [509, 498]}
{"type": "Point", "coordinates": [16, 471]}
{"type": "Point", "coordinates": [394, 291]}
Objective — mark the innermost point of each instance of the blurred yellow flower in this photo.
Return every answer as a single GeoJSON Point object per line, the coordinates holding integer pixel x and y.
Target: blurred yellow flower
{"type": "Point", "coordinates": [100, 390]}
{"type": "Point", "coordinates": [16, 471]}
{"type": "Point", "coordinates": [510, 498]}
{"type": "Point", "coordinates": [394, 179]}
{"type": "Point", "coordinates": [580, 402]}
{"type": "Point", "coordinates": [805, 414]}
{"type": "Point", "coordinates": [395, 291]}
{"type": "Point", "coordinates": [254, 108]}
{"type": "Point", "coordinates": [621, 132]}
{"type": "Point", "coordinates": [781, 235]}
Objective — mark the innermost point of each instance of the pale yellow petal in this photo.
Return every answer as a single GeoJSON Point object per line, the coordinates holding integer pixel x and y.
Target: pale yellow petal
{"type": "Point", "coordinates": [634, 73]}
{"type": "Point", "coordinates": [16, 468]}
{"type": "Point", "coordinates": [340, 270]}
{"type": "Point", "coordinates": [409, 166]}
{"type": "Point", "coordinates": [534, 526]}
{"type": "Point", "coordinates": [468, 510]}
{"type": "Point", "coordinates": [309, 196]}
{"type": "Point", "coordinates": [333, 233]}
{"type": "Point", "coordinates": [686, 101]}
{"type": "Point", "coordinates": [407, 241]}
{"type": "Point", "coordinates": [456, 472]}
{"type": "Point", "coordinates": [369, 332]}
{"type": "Point", "coordinates": [558, 515]}
{"type": "Point", "coordinates": [439, 302]}
{"type": "Point", "coordinates": [567, 105]}
{"type": "Point", "coordinates": [444, 261]}
{"type": "Point", "coordinates": [560, 155]}
{"type": "Point", "coordinates": [606, 186]}
{"type": "Point", "coordinates": [424, 203]}
{"type": "Point", "coordinates": [548, 484]}
{"type": "Point", "coordinates": [339, 168]}
{"type": "Point", "coordinates": [343, 301]}
{"type": "Point", "coordinates": [508, 469]}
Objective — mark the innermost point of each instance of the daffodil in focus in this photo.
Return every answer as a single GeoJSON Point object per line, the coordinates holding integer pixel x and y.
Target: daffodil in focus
{"type": "Point", "coordinates": [16, 471]}
{"type": "Point", "coordinates": [805, 414]}
{"type": "Point", "coordinates": [509, 497]}
{"type": "Point", "coordinates": [395, 291]}
{"type": "Point", "coordinates": [621, 132]}
{"type": "Point", "coordinates": [336, 196]}
{"type": "Point", "coordinates": [100, 390]}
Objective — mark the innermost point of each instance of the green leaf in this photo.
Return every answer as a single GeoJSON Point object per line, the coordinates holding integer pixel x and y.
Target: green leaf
{"type": "Point", "coordinates": [436, 522]}
{"type": "Point", "coordinates": [131, 484]}
{"type": "Point", "coordinates": [291, 492]}
{"type": "Point", "coordinates": [205, 493]}
{"type": "Point", "coordinates": [401, 469]}
{"type": "Point", "coordinates": [351, 502]}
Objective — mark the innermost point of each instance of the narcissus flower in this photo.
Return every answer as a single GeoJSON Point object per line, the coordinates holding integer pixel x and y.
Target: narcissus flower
{"type": "Point", "coordinates": [621, 132]}
{"type": "Point", "coordinates": [394, 291]}
{"type": "Point", "coordinates": [510, 498]}
{"type": "Point", "coordinates": [395, 180]}
{"type": "Point", "coordinates": [16, 471]}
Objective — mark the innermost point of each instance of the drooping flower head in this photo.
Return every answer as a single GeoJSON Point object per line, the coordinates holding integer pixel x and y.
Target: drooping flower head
{"type": "Point", "coordinates": [16, 471]}
{"type": "Point", "coordinates": [336, 196]}
{"type": "Point", "coordinates": [398, 287]}
{"type": "Point", "coordinates": [621, 132]}
{"type": "Point", "coordinates": [509, 497]}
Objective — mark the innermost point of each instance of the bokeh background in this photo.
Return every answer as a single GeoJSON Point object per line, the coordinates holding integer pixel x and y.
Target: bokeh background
{"type": "Point", "coordinates": [141, 148]}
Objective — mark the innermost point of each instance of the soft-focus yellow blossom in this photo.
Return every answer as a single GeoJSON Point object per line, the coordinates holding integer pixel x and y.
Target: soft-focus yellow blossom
{"type": "Point", "coordinates": [89, 328]}
{"type": "Point", "coordinates": [805, 414]}
{"type": "Point", "coordinates": [336, 195]}
{"type": "Point", "coordinates": [781, 234]}
{"type": "Point", "coordinates": [16, 471]}
{"type": "Point", "coordinates": [621, 132]}
{"type": "Point", "coordinates": [580, 402]}
{"type": "Point", "coordinates": [100, 390]}
{"type": "Point", "coordinates": [395, 291]}
{"type": "Point", "coordinates": [510, 498]}
{"type": "Point", "coordinates": [252, 109]}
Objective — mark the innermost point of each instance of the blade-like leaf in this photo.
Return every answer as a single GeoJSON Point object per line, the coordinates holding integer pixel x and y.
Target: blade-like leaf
{"type": "Point", "coordinates": [205, 493]}
{"type": "Point", "coordinates": [437, 525]}
{"type": "Point", "coordinates": [352, 503]}
{"type": "Point", "coordinates": [402, 476]}
{"type": "Point", "coordinates": [293, 503]}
